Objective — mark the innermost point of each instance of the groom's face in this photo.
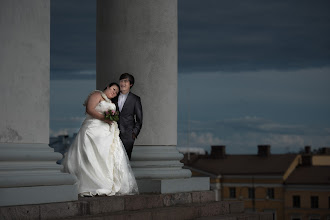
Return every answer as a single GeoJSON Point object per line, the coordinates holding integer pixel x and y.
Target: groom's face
{"type": "Point", "coordinates": [125, 85]}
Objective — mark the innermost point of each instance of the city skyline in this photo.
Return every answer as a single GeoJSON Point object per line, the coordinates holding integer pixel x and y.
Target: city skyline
{"type": "Point", "coordinates": [249, 73]}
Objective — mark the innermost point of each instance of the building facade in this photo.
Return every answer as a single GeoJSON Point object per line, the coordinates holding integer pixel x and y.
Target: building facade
{"type": "Point", "coordinates": [291, 186]}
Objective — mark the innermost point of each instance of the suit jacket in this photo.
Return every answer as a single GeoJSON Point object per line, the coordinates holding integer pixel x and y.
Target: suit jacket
{"type": "Point", "coordinates": [131, 115]}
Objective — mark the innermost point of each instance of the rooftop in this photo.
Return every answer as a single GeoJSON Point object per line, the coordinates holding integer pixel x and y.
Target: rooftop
{"type": "Point", "coordinates": [309, 175]}
{"type": "Point", "coordinates": [244, 164]}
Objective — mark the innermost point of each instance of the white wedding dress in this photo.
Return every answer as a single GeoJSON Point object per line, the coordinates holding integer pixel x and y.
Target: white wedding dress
{"type": "Point", "coordinates": [98, 158]}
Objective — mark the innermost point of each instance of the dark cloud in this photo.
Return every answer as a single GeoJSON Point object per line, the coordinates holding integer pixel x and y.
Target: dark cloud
{"type": "Point", "coordinates": [73, 40]}
{"type": "Point", "coordinates": [213, 36]}
{"type": "Point", "coordinates": [289, 107]}
{"type": "Point", "coordinates": [250, 35]}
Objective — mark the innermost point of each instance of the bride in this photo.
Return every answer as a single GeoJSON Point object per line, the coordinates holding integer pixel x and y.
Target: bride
{"type": "Point", "coordinates": [97, 156]}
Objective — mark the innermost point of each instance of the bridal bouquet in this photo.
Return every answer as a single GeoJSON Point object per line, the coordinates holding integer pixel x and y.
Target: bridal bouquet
{"type": "Point", "coordinates": [112, 115]}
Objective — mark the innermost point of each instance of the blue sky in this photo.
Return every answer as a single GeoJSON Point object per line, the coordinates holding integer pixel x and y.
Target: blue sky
{"type": "Point", "coordinates": [249, 73]}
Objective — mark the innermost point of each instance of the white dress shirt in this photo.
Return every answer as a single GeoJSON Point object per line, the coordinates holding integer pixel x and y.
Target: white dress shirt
{"type": "Point", "coordinates": [121, 100]}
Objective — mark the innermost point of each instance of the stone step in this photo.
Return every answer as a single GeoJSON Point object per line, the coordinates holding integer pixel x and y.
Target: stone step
{"type": "Point", "coordinates": [186, 211]}
{"type": "Point", "coordinates": [189, 205]}
{"type": "Point", "coordinates": [96, 205]}
{"type": "Point", "coordinates": [241, 216]}
{"type": "Point", "coordinates": [92, 206]}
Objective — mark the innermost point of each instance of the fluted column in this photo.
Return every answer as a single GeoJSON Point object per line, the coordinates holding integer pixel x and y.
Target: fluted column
{"type": "Point", "coordinates": [140, 37]}
{"type": "Point", "coordinates": [28, 170]}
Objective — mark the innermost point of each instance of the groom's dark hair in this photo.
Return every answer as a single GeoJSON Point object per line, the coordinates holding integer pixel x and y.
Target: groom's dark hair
{"type": "Point", "coordinates": [129, 77]}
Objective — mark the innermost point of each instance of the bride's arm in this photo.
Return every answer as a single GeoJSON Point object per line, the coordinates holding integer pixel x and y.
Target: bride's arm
{"type": "Point", "coordinates": [92, 102]}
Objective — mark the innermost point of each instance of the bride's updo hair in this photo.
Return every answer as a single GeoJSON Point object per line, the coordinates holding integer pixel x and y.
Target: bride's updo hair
{"type": "Point", "coordinates": [111, 84]}
{"type": "Point", "coordinates": [115, 99]}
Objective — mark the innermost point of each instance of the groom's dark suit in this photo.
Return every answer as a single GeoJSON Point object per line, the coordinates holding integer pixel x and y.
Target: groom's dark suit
{"type": "Point", "coordinates": [130, 121]}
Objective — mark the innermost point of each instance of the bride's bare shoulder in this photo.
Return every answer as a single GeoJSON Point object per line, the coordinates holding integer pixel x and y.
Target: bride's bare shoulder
{"type": "Point", "coordinates": [93, 96]}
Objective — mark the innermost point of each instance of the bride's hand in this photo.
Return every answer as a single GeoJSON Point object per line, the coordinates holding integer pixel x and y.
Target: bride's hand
{"type": "Point", "coordinates": [108, 121]}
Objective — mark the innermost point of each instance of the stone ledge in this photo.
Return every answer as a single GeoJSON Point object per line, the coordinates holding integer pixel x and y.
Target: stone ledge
{"type": "Point", "coordinates": [186, 211]}
{"type": "Point", "coordinates": [242, 216]}
{"type": "Point", "coordinates": [236, 207]}
{"type": "Point", "coordinates": [188, 205]}
{"type": "Point", "coordinates": [102, 205]}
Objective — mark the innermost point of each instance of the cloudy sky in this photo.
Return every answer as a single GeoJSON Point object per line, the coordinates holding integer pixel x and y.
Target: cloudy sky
{"type": "Point", "coordinates": [250, 72]}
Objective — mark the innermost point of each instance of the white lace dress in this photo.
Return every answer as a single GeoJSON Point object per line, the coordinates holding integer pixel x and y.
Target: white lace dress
{"type": "Point", "coordinates": [98, 158]}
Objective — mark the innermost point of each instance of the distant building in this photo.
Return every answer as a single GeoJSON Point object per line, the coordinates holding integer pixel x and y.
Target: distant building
{"type": "Point", "coordinates": [61, 143]}
{"type": "Point", "coordinates": [307, 189]}
{"type": "Point", "coordinates": [269, 182]}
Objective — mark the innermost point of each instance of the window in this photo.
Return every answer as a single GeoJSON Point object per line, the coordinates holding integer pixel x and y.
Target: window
{"type": "Point", "coordinates": [270, 193]}
{"type": "Point", "coordinates": [314, 202]}
{"type": "Point", "coordinates": [232, 192]}
{"type": "Point", "coordinates": [296, 201]}
{"type": "Point", "coordinates": [251, 193]}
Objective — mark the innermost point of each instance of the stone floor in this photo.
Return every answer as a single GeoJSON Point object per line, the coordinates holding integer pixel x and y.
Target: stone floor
{"type": "Point", "coordinates": [191, 205]}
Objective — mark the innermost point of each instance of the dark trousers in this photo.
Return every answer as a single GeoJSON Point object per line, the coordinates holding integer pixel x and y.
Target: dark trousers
{"type": "Point", "coordinates": [128, 143]}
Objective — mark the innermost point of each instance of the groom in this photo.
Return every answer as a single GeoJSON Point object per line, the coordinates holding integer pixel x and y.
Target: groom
{"type": "Point", "coordinates": [130, 117]}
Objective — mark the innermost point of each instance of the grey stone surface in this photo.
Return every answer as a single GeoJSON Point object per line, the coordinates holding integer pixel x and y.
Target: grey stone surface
{"type": "Point", "coordinates": [158, 162]}
{"type": "Point", "coordinates": [196, 197]}
{"type": "Point", "coordinates": [60, 210]}
{"type": "Point", "coordinates": [203, 196]}
{"type": "Point", "coordinates": [185, 185]}
{"type": "Point", "coordinates": [248, 216]}
{"type": "Point", "coordinates": [37, 194]}
{"type": "Point", "coordinates": [236, 207]}
{"type": "Point", "coordinates": [174, 185]}
{"type": "Point", "coordinates": [19, 212]}
{"type": "Point", "coordinates": [37, 179]}
{"type": "Point", "coordinates": [147, 206]}
{"type": "Point", "coordinates": [143, 202]}
{"type": "Point", "coordinates": [24, 71]}
{"type": "Point", "coordinates": [229, 217]}
{"type": "Point", "coordinates": [207, 196]}
{"type": "Point", "coordinates": [245, 216]}
{"type": "Point", "coordinates": [149, 186]}
{"type": "Point", "coordinates": [215, 208]}
{"type": "Point", "coordinates": [132, 215]}
{"type": "Point", "coordinates": [28, 170]}
{"type": "Point", "coordinates": [179, 213]}
{"type": "Point", "coordinates": [177, 199]}
{"type": "Point", "coordinates": [140, 37]}
{"type": "Point", "coordinates": [106, 204]}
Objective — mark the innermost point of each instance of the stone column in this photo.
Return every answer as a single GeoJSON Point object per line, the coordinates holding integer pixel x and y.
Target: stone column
{"type": "Point", "coordinates": [28, 170]}
{"type": "Point", "coordinates": [140, 37]}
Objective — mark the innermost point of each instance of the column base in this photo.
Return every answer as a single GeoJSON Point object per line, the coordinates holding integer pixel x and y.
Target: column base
{"type": "Point", "coordinates": [29, 175]}
{"type": "Point", "coordinates": [173, 185]}
{"type": "Point", "coordinates": [158, 169]}
{"type": "Point", "coordinates": [37, 195]}
{"type": "Point", "coordinates": [158, 162]}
